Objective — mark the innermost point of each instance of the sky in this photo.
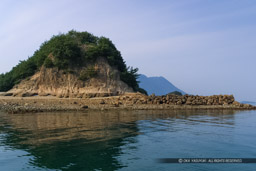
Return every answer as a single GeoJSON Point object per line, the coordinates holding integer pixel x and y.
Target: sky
{"type": "Point", "coordinates": [203, 47]}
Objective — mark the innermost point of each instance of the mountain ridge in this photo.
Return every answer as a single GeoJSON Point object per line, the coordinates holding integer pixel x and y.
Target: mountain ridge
{"type": "Point", "coordinates": [157, 85]}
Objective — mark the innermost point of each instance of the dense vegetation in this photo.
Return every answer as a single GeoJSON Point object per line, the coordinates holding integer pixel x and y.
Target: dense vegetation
{"type": "Point", "coordinates": [88, 73]}
{"type": "Point", "coordinates": [175, 93]}
{"type": "Point", "coordinates": [66, 51]}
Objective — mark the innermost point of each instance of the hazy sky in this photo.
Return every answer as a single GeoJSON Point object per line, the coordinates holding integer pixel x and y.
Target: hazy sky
{"type": "Point", "coordinates": [203, 47]}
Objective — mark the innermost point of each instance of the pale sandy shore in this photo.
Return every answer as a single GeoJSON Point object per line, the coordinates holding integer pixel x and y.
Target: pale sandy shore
{"type": "Point", "coordinates": [50, 103]}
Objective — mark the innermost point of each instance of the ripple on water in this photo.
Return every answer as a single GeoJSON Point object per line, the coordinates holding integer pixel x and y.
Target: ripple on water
{"type": "Point", "coordinates": [124, 140]}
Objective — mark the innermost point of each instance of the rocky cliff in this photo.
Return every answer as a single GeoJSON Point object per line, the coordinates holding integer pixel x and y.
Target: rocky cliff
{"type": "Point", "coordinates": [61, 83]}
{"type": "Point", "coordinates": [75, 64]}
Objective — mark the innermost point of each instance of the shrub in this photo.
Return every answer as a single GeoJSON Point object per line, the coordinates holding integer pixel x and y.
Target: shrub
{"type": "Point", "coordinates": [88, 73]}
{"type": "Point", "coordinates": [141, 90]}
{"type": "Point", "coordinates": [66, 53]}
{"type": "Point", "coordinates": [130, 76]}
{"type": "Point", "coordinates": [48, 63]}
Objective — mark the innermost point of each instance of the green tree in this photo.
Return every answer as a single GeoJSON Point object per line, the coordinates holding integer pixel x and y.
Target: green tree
{"type": "Point", "coordinates": [88, 73]}
{"type": "Point", "coordinates": [66, 52]}
{"type": "Point", "coordinates": [130, 76]}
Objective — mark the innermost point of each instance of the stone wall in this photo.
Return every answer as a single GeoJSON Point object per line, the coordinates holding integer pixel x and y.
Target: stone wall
{"type": "Point", "coordinates": [178, 100]}
{"type": "Point", "coordinates": [192, 100]}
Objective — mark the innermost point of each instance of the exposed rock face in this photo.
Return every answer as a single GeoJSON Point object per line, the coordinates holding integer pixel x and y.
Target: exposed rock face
{"type": "Point", "coordinates": [60, 83]}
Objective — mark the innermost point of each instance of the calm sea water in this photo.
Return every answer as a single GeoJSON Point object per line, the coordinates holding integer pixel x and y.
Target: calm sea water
{"type": "Point", "coordinates": [122, 140]}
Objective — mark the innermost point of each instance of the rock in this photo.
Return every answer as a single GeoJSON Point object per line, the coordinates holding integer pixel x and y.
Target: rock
{"type": "Point", "coordinates": [8, 94]}
{"type": "Point", "coordinates": [225, 103]}
{"type": "Point", "coordinates": [167, 97]}
{"type": "Point", "coordinates": [116, 105]}
{"type": "Point", "coordinates": [153, 95]}
{"type": "Point", "coordinates": [236, 103]}
{"type": "Point", "coordinates": [60, 96]}
{"type": "Point", "coordinates": [43, 94]}
{"type": "Point", "coordinates": [188, 103]}
{"type": "Point", "coordinates": [179, 102]}
{"type": "Point", "coordinates": [102, 102]}
{"type": "Point", "coordinates": [79, 96]}
{"type": "Point", "coordinates": [84, 107]}
{"type": "Point", "coordinates": [247, 105]}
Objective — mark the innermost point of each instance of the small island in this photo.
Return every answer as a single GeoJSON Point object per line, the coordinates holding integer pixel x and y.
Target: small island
{"type": "Point", "coordinates": [79, 71]}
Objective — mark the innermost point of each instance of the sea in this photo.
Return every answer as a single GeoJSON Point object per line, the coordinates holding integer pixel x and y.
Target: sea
{"type": "Point", "coordinates": [126, 140]}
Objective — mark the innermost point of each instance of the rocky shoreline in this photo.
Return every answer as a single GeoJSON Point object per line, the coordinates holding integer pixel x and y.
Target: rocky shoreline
{"type": "Point", "coordinates": [128, 101]}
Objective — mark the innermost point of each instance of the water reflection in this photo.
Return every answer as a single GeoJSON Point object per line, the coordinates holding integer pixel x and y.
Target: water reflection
{"type": "Point", "coordinates": [93, 140]}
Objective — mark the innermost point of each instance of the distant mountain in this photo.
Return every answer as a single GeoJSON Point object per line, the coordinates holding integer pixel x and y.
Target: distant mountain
{"type": "Point", "coordinates": [158, 85]}
{"type": "Point", "coordinates": [249, 102]}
